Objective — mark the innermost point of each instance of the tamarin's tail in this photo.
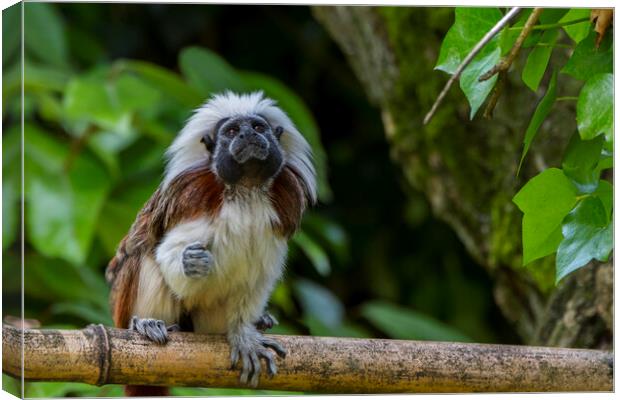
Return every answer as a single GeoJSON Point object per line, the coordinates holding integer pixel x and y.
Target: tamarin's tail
{"type": "Point", "coordinates": [145, 391]}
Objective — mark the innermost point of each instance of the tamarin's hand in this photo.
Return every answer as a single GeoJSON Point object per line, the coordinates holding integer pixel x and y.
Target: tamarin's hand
{"type": "Point", "coordinates": [197, 261]}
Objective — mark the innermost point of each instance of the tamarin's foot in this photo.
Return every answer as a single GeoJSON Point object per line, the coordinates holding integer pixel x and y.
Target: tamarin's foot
{"type": "Point", "coordinates": [152, 329]}
{"type": "Point", "coordinates": [266, 321]}
{"type": "Point", "coordinates": [197, 261]}
{"type": "Point", "coordinates": [250, 347]}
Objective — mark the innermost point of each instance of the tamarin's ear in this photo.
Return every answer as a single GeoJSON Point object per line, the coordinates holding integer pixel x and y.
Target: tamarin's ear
{"type": "Point", "coordinates": [208, 141]}
{"type": "Point", "coordinates": [278, 132]}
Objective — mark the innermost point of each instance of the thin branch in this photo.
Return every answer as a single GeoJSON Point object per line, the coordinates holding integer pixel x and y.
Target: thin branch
{"type": "Point", "coordinates": [100, 355]}
{"type": "Point", "coordinates": [497, 92]}
{"type": "Point", "coordinates": [504, 64]}
{"type": "Point", "coordinates": [486, 39]}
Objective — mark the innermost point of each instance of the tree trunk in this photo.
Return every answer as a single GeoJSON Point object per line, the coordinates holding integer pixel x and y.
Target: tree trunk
{"type": "Point", "coordinates": [467, 169]}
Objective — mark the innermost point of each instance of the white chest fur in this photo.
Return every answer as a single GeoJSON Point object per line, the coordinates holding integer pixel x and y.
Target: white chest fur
{"type": "Point", "coordinates": [248, 258]}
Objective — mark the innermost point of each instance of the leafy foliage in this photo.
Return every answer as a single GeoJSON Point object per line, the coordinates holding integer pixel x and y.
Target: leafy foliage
{"type": "Point", "coordinates": [587, 235]}
{"type": "Point", "coordinates": [470, 25]}
{"type": "Point", "coordinates": [566, 211]}
{"type": "Point", "coordinates": [406, 324]}
{"type": "Point", "coordinates": [588, 60]}
{"type": "Point", "coordinates": [545, 201]}
{"type": "Point", "coordinates": [595, 108]}
{"type": "Point", "coordinates": [542, 111]}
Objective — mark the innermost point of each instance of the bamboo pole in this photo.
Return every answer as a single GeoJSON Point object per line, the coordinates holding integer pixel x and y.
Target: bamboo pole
{"type": "Point", "coordinates": [100, 355]}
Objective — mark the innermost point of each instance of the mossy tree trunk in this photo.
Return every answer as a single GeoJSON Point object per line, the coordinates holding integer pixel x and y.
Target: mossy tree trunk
{"type": "Point", "coordinates": [467, 169]}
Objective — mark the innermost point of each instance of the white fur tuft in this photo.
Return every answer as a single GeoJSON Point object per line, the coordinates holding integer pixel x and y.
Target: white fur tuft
{"type": "Point", "coordinates": [187, 150]}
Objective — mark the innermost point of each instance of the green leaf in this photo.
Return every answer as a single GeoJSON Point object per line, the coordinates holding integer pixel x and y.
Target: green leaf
{"type": "Point", "coordinates": [317, 328]}
{"type": "Point", "coordinates": [319, 303]}
{"type": "Point", "coordinates": [315, 253]}
{"type": "Point", "coordinates": [475, 91]}
{"type": "Point", "coordinates": [87, 312]}
{"type": "Point", "coordinates": [545, 200]}
{"type": "Point", "coordinates": [110, 103]}
{"type": "Point", "coordinates": [208, 72]}
{"type": "Point", "coordinates": [120, 212]}
{"type": "Point", "coordinates": [299, 113]}
{"type": "Point", "coordinates": [49, 107]}
{"type": "Point", "coordinates": [44, 78]}
{"type": "Point", "coordinates": [537, 60]}
{"type": "Point", "coordinates": [587, 60]}
{"type": "Point", "coordinates": [587, 235]}
{"type": "Point", "coordinates": [595, 107]}
{"type": "Point", "coordinates": [402, 323]}
{"type": "Point", "coordinates": [580, 162]}
{"type": "Point", "coordinates": [170, 84]}
{"type": "Point", "coordinates": [106, 146]}
{"type": "Point", "coordinates": [470, 25]}
{"type": "Point", "coordinates": [93, 100]}
{"type": "Point", "coordinates": [133, 94]}
{"type": "Point", "coordinates": [606, 161]}
{"type": "Point", "coordinates": [605, 193]}
{"type": "Point", "coordinates": [55, 280]}
{"type": "Point", "coordinates": [552, 15]}
{"type": "Point", "coordinates": [332, 235]}
{"type": "Point", "coordinates": [579, 31]}
{"type": "Point", "coordinates": [542, 110]}
{"type": "Point", "coordinates": [62, 206]}
{"type": "Point", "coordinates": [44, 33]}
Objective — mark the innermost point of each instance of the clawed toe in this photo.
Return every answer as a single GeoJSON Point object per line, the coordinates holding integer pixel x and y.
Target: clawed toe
{"type": "Point", "coordinates": [273, 344]}
{"type": "Point", "coordinates": [250, 357]}
{"type": "Point", "coordinates": [153, 329]}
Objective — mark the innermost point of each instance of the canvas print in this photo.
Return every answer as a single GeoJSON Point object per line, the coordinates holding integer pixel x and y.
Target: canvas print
{"type": "Point", "coordinates": [225, 199]}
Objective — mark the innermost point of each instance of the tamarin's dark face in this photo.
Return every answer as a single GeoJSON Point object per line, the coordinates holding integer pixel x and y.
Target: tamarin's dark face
{"type": "Point", "coordinates": [245, 149]}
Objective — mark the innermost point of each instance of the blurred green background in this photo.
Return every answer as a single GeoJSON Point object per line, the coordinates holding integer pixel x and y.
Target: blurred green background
{"type": "Point", "coordinates": [107, 87]}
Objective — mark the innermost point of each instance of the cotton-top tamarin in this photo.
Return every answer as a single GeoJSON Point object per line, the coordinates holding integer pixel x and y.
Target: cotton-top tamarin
{"type": "Point", "coordinates": [208, 247]}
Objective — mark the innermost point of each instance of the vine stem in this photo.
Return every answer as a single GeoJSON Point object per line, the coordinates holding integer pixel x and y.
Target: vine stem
{"type": "Point", "coordinates": [556, 25]}
{"type": "Point", "coordinates": [504, 64]}
{"type": "Point", "coordinates": [555, 45]}
{"type": "Point", "coordinates": [485, 39]}
{"type": "Point", "coordinates": [567, 98]}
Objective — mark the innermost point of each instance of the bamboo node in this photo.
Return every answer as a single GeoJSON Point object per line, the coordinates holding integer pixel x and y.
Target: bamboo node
{"type": "Point", "coordinates": [103, 352]}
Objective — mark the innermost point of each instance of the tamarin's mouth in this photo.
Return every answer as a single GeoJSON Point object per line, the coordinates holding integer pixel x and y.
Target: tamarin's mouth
{"type": "Point", "coordinates": [242, 149]}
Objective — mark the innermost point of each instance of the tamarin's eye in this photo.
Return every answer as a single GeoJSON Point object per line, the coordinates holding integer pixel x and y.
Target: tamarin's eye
{"type": "Point", "coordinates": [259, 128]}
{"type": "Point", "coordinates": [232, 131]}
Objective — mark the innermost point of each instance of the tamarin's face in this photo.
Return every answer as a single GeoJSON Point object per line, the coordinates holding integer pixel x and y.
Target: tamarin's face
{"type": "Point", "coordinates": [245, 150]}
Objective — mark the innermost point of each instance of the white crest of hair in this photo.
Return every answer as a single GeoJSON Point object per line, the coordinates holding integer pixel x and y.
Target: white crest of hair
{"type": "Point", "coordinates": [186, 151]}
